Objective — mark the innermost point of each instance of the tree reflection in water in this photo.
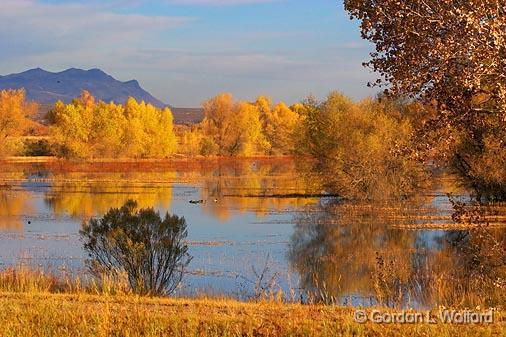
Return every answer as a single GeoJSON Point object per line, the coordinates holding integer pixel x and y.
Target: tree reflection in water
{"type": "Point", "coordinates": [365, 252]}
{"type": "Point", "coordinates": [245, 186]}
{"type": "Point", "coordinates": [471, 269]}
{"type": "Point", "coordinates": [82, 195]}
{"type": "Point", "coordinates": [14, 205]}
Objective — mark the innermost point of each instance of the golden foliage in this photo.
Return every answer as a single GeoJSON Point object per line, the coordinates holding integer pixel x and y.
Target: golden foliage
{"type": "Point", "coordinates": [357, 148]}
{"type": "Point", "coordinates": [13, 206]}
{"type": "Point", "coordinates": [279, 124]}
{"type": "Point", "coordinates": [85, 129]}
{"type": "Point", "coordinates": [14, 119]}
{"type": "Point", "coordinates": [232, 128]}
{"type": "Point", "coordinates": [83, 197]}
{"type": "Point", "coordinates": [450, 55]}
{"type": "Point", "coordinates": [242, 128]}
{"type": "Point", "coordinates": [191, 141]}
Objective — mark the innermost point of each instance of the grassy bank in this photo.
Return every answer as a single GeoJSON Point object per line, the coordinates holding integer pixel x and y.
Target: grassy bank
{"type": "Point", "coordinates": [34, 303]}
{"type": "Point", "coordinates": [48, 314]}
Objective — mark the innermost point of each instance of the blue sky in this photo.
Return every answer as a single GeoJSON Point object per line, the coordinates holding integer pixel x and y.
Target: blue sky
{"type": "Point", "coordinates": [185, 51]}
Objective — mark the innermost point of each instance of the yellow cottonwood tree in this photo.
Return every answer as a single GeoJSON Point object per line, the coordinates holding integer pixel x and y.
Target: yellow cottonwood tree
{"type": "Point", "coordinates": [85, 129]}
{"type": "Point", "coordinates": [149, 131]}
{"type": "Point", "coordinates": [264, 106]}
{"type": "Point", "coordinates": [218, 122]}
{"type": "Point", "coordinates": [232, 128]}
{"type": "Point", "coordinates": [191, 141]}
{"type": "Point", "coordinates": [248, 138]}
{"type": "Point", "coordinates": [280, 129]}
{"type": "Point", "coordinates": [14, 118]}
{"type": "Point", "coordinates": [279, 124]}
{"type": "Point", "coordinates": [71, 125]}
{"type": "Point", "coordinates": [106, 134]}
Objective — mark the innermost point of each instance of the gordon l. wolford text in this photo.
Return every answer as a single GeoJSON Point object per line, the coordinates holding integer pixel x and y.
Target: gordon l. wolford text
{"type": "Point", "coordinates": [417, 317]}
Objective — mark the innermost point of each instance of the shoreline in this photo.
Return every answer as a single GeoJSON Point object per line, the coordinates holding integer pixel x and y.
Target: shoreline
{"type": "Point", "coordinates": [105, 165]}
{"type": "Point", "coordinates": [176, 158]}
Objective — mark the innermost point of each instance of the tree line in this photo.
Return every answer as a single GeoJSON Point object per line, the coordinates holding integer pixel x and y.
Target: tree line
{"type": "Point", "coordinates": [374, 148]}
{"type": "Point", "coordinates": [88, 128]}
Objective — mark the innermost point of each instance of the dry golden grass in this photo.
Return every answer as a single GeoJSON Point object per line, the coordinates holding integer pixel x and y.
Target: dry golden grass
{"type": "Point", "coordinates": [35, 304]}
{"type": "Point", "coordinates": [46, 314]}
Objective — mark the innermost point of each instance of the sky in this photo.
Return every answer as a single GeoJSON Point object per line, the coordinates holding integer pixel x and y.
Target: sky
{"type": "Point", "coordinates": [186, 51]}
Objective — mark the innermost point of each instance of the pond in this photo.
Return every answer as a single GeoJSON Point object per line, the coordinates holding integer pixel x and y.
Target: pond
{"type": "Point", "coordinates": [258, 226]}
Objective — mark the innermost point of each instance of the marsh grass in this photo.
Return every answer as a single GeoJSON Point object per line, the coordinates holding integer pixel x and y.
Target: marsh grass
{"type": "Point", "coordinates": [26, 280]}
{"type": "Point", "coordinates": [34, 303]}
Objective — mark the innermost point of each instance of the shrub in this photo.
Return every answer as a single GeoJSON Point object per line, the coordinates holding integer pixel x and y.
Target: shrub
{"type": "Point", "coordinates": [37, 148]}
{"type": "Point", "coordinates": [151, 250]}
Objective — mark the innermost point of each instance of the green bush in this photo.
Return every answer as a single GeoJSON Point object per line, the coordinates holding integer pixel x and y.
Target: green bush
{"type": "Point", "coordinates": [149, 249]}
{"type": "Point", "coordinates": [37, 148]}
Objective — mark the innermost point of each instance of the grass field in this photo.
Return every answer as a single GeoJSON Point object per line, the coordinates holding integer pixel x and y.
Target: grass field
{"type": "Point", "coordinates": [35, 313]}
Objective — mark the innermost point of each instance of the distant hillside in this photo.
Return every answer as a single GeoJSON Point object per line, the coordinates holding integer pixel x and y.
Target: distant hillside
{"type": "Point", "coordinates": [187, 115]}
{"type": "Point", "coordinates": [46, 87]}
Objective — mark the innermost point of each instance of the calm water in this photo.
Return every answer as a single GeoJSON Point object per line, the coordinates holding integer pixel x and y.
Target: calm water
{"type": "Point", "coordinates": [251, 222]}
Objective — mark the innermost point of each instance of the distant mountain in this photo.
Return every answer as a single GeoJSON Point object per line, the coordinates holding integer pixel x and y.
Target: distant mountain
{"type": "Point", "coordinates": [47, 87]}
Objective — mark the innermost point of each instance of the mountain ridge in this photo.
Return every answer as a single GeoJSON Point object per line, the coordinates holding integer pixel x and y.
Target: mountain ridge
{"type": "Point", "coordinates": [47, 87]}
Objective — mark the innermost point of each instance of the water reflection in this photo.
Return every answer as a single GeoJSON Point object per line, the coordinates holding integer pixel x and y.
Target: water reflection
{"type": "Point", "coordinates": [85, 195]}
{"type": "Point", "coordinates": [470, 270]}
{"type": "Point", "coordinates": [336, 248]}
{"type": "Point", "coordinates": [244, 186]}
{"type": "Point", "coordinates": [245, 215]}
{"type": "Point", "coordinates": [14, 205]}
{"type": "Point", "coordinates": [412, 252]}
{"type": "Point", "coordinates": [364, 251]}
{"type": "Point", "coordinates": [251, 186]}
